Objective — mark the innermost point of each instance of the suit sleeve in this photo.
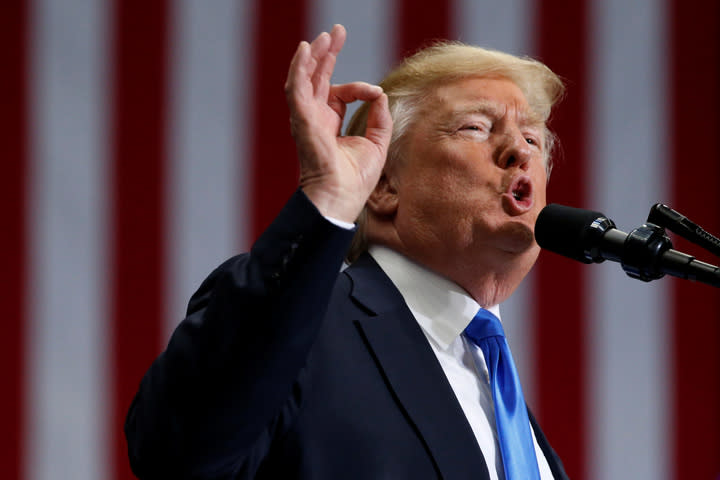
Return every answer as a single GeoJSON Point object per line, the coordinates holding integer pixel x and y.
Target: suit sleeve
{"type": "Point", "coordinates": [209, 405]}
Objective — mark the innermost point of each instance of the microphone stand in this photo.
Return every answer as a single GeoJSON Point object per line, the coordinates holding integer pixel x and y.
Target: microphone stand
{"type": "Point", "coordinates": [676, 222]}
{"type": "Point", "coordinates": [648, 253]}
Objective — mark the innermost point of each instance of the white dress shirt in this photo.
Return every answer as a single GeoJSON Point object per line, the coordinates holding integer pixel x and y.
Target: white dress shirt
{"type": "Point", "coordinates": [443, 310]}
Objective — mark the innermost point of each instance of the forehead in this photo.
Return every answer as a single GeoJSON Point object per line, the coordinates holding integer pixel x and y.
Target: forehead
{"type": "Point", "coordinates": [496, 96]}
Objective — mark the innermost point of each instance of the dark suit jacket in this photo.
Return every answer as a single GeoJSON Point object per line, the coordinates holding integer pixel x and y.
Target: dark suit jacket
{"type": "Point", "coordinates": [285, 369]}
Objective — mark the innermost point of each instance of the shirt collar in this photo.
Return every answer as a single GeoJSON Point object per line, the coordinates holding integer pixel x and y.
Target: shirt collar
{"type": "Point", "coordinates": [441, 308]}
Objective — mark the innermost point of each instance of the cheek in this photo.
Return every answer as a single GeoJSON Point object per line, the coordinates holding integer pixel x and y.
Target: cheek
{"type": "Point", "coordinates": [541, 194]}
{"type": "Point", "coordinates": [446, 182]}
{"type": "Point", "coordinates": [539, 179]}
{"type": "Point", "coordinates": [448, 185]}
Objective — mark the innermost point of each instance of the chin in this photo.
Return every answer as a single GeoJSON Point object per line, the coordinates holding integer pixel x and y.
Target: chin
{"type": "Point", "coordinates": [516, 237]}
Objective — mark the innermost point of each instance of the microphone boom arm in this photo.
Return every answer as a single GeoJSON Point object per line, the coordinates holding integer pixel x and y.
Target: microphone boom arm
{"type": "Point", "coordinates": [678, 223]}
{"type": "Point", "coordinates": [645, 253]}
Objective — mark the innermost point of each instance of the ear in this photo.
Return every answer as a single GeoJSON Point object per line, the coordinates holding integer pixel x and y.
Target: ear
{"type": "Point", "coordinates": [383, 200]}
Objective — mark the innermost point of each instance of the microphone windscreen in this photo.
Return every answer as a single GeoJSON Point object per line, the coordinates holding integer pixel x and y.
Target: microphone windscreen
{"type": "Point", "coordinates": [566, 230]}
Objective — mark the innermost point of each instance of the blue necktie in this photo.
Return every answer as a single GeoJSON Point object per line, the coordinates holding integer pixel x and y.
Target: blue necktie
{"type": "Point", "coordinates": [511, 418]}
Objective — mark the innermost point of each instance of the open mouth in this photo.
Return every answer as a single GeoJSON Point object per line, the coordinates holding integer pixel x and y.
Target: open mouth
{"type": "Point", "coordinates": [521, 192]}
{"type": "Point", "coordinates": [519, 195]}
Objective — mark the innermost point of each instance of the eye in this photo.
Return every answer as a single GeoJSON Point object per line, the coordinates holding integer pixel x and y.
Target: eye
{"type": "Point", "coordinates": [475, 127]}
{"type": "Point", "coordinates": [533, 141]}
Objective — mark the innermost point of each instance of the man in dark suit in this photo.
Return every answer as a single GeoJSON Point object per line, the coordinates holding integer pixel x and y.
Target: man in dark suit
{"type": "Point", "coordinates": [285, 369]}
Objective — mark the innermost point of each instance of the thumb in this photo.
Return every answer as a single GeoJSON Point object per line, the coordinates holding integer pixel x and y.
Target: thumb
{"type": "Point", "coordinates": [379, 123]}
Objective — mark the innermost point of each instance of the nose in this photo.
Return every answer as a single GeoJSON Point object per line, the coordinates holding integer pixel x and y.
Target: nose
{"type": "Point", "coordinates": [514, 150]}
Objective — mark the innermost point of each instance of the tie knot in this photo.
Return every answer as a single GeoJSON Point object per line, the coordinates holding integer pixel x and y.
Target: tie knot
{"type": "Point", "coordinates": [484, 325]}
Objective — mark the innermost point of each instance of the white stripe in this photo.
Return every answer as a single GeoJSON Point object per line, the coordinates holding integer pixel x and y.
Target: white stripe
{"type": "Point", "coordinates": [368, 52]}
{"type": "Point", "coordinates": [505, 26]}
{"type": "Point", "coordinates": [629, 365]}
{"type": "Point", "coordinates": [208, 127]}
{"type": "Point", "coordinates": [67, 434]}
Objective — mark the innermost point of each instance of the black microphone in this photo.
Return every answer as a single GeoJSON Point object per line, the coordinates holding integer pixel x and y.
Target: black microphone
{"type": "Point", "coordinates": [590, 237]}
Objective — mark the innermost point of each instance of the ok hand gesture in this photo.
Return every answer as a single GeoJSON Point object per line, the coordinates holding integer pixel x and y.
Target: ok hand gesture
{"type": "Point", "coordinates": [337, 173]}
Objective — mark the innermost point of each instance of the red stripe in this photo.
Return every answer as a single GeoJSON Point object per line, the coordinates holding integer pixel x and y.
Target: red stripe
{"type": "Point", "coordinates": [562, 45]}
{"type": "Point", "coordinates": [13, 252]}
{"type": "Point", "coordinates": [138, 202]}
{"type": "Point", "coordinates": [419, 25]}
{"type": "Point", "coordinates": [279, 27]}
{"type": "Point", "coordinates": [695, 173]}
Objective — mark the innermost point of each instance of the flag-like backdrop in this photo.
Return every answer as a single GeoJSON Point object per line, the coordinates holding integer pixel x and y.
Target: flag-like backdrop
{"type": "Point", "coordinates": [143, 142]}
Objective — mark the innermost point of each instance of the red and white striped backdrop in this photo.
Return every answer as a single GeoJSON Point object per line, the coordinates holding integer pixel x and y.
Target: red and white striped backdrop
{"type": "Point", "coordinates": [144, 142]}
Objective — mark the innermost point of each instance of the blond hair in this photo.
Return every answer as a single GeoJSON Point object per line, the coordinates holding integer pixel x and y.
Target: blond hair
{"type": "Point", "coordinates": [413, 80]}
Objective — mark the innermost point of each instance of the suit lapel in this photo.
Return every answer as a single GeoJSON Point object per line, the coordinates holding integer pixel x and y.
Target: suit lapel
{"type": "Point", "coordinates": [556, 465]}
{"type": "Point", "coordinates": [414, 375]}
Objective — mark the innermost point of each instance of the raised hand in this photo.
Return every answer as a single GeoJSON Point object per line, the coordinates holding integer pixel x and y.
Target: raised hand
{"type": "Point", "coordinates": [337, 173]}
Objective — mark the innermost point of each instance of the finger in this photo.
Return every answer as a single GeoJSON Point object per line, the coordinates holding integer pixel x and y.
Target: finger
{"type": "Point", "coordinates": [338, 34]}
{"type": "Point", "coordinates": [379, 123]}
{"type": "Point", "coordinates": [320, 45]}
{"type": "Point", "coordinates": [318, 50]}
{"type": "Point", "coordinates": [341, 95]}
{"type": "Point", "coordinates": [350, 92]}
{"type": "Point", "coordinates": [306, 61]}
{"type": "Point", "coordinates": [299, 74]}
{"type": "Point", "coordinates": [326, 61]}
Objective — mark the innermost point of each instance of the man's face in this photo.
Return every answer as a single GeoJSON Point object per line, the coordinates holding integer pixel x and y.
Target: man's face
{"type": "Point", "coordinates": [471, 180]}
